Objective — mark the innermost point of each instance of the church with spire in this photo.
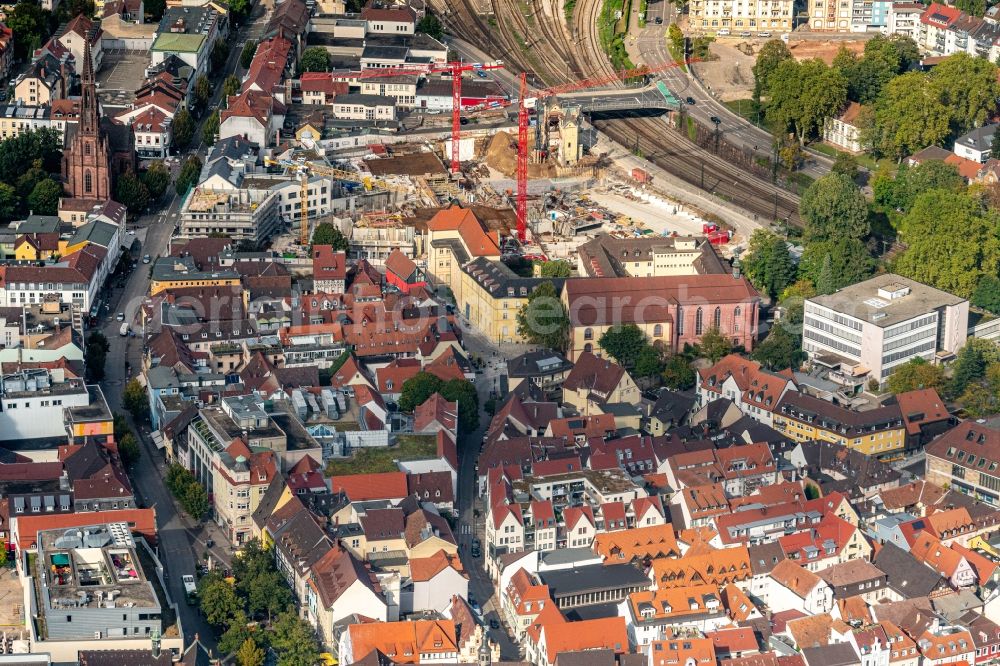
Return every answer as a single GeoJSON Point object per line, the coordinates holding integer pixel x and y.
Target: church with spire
{"type": "Point", "coordinates": [95, 154]}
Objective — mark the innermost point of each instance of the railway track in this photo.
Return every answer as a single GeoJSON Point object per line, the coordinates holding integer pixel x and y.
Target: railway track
{"type": "Point", "coordinates": [543, 46]}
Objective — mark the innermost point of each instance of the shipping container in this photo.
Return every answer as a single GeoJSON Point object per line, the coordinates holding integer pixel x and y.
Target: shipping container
{"type": "Point", "coordinates": [640, 175]}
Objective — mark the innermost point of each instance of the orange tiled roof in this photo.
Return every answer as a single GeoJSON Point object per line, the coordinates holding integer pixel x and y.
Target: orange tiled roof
{"type": "Point", "coordinates": [637, 543]}
{"type": "Point", "coordinates": [728, 565]}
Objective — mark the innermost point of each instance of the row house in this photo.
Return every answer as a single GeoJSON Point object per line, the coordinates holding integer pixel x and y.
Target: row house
{"type": "Point", "coordinates": [746, 384]}
{"type": "Point", "coordinates": [656, 615]}
{"type": "Point", "coordinates": [741, 470]}
{"type": "Point", "coordinates": [832, 541]}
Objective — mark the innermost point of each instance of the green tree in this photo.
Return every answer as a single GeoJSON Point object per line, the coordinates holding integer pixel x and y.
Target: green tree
{"type": "Point", "coordinates": [648, 362]}
{"type": "Point", "coordinates": [812, 491]}
{"type": "Point", "coordinates": [802, 95]}
{"type": "Point", "coordinates": [909, 115]}
{"type": "Point", "coordinates": [464, 393]}
{"type": "Point", "coordinates": [951, 243]}
{"type": "Point", "coordinates": [772, 54]}
{"type": "Point", "coordinates": [676, 37]}
{"type": "Point", "coordinates": [220, 53]}
{"type": "Point", "coordinates": [677, 373]}
{"type": "Point", "coordinates": [543, 320]}
{"type": "Point", "coordinates": [294, 641]}
{"type": "Point", "coordinates": [128, 449]}
{"type": "Point", "coordinates": [417, 389]}
{"type": "Point", "coordinates": [982, 398]}
{"type": "Point", "coordinates": [623, 343]}
{"type": "Point", "coordinates": [95, 353]}
{"type": "Point", "coordinates": [210, 130]}
{"type": "Point", "coordinates": [846, 165]}
{"type": "Point", "coordinates": [156, 179]}
{"type": "Point", "coordinates": [327, 234]}
{"type": "Point", "coordinates": [217, 599]}
{"type": "Point", "coordinates": [202, 92]}
{"type": "Point", "coordinates": [26, 181]}
{"type": "Point", "coordinates": [967, 86]}
{"type": "Point", "coordinates": [559, 268]}
{"type": "Point", "coordinates": [41, 149]}
{"type": "Point", "coordinates": [915, 374]}
{"type": "Point", "coordinates": [237, 634]}
{"type": "Point", "coordinates": [230, 87]}
{"type": "Point", "coordinates": [268, 595]}
{"type": "Point", "coordinates": [971, 363]}
{"type": "Point", "coordinates": [767, 263]}
{"type": "Point", "coordinates": [779, 350]}
{"type": "Point", "coordinates": [195, 501]}
{"type": "Point", "coordinates": [831, 265]}
{"type": "Point", "coordinates": [182, 130]}
{"type": "Point", "coordinates": [315, 59]}
{"type": "Point", "coordinates": [135, 400]}
{"type": "Point", "coordinates": [155, 8]}
{"type": "Point", "coordinates": [431, 26]}
{"type": "Point", "coordinates": [987, 294]}
{"type": "Point", "coordinates": [714, 345]}
{"type": "Point", "coordinates": [131, 190]}
{"type": "Point", "coordinates": [44, 199]}
{"type": "Point", "coordinates": [246, 56]}
{"type": "Point", "coordinates": [900, 191]}
{"type": "Point", "coordinates": [250, 654]}
{"type": "Point", "coordinates": [832, 208]}
{"type": "Point", "coordinates": [189, 174]}
{"type": "Point", "coordinates": [239, 10]}
{"type": "Point", "coordinates": [9, 202]}
{"type": "Point", "coordinates": [30, 24]}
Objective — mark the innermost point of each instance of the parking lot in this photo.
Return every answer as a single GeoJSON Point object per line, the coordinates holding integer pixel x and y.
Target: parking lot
{"type": "Point", "coordinates": [122, 70]}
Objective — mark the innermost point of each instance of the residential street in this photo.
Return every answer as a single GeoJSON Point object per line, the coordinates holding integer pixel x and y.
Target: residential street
{"type": "Point", "coordinates": [471, 526]}
{"type": "Point", "coordinates": [181, 542]}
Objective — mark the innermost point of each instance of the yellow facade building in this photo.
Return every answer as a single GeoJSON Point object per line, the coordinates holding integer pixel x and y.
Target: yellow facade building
{"type": "Point", "coordinates": [877, 432]}
{"type": "Point", "coordinates": [178, 272]}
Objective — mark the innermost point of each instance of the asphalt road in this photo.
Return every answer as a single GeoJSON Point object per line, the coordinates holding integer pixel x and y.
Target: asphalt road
{"type": "Point", "coordinates": [651, 42]}
{"type": "Point", "coordinates": [480, 585]}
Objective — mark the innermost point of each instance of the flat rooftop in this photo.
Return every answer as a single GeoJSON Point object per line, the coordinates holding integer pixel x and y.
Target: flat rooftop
{"type": "Point", "coordinates": [870, 301]}
{"type": "Point", "coordinates": [95, 412]}
{"type": "Point", "coordinates": [92, 567]}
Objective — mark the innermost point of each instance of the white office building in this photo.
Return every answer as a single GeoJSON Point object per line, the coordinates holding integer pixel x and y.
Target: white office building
{"type": "Point", "coordinates": [870, 328]}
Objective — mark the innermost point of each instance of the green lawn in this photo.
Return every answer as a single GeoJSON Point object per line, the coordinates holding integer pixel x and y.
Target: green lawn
{"type": "Point", "coordinates": [865, 161]}
{"type": "Point", "coordinates": [378, 460]}
{"type": "Point", "coordinates": [745, 109]}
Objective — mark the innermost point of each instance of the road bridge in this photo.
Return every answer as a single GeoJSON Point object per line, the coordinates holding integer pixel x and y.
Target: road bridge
{"type": "Point", "coordinates": [653, 96]}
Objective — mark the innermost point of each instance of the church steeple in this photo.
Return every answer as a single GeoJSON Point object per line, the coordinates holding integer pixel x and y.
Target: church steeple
{"type": "Point", "coordinates": [89, 115]}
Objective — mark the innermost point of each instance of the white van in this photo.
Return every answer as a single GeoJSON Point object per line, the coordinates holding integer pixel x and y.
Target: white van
{"type": "Point", "coordinates": [124, 330]}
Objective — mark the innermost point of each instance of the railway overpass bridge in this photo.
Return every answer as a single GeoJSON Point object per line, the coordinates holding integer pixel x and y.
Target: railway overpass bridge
{"type": "Point", "coordinates": [652, 97]}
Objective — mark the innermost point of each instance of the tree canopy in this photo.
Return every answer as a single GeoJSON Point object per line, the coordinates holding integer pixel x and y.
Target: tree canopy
{"type": "Point", "coordinates": [802, 95]}
{"type": "Point", "coordinates": [623, 343]}
{"type": "Point", "coordinates": [834, 207]}
{"type": "Point", "coordinates": [315, 59]}
{"type": "Point", "coordinates": [543, 320]}
{"type": "Point", "coordinates": [915, 374]}
{"type": "Point", "coordinates": [182, 130]}
{"type": "Point", "coordinates": [188, 175]}
{"type": "Point", "coordinates": [952, 243]}
{"type": "Point", "coordinates": [130, 189]}
{"type": "Point", "coordinates": [156, 178]}
{"type": "Point", "coordinates": [327, 234]}
{"type": "Point", "coordinates": [772, 54]}
{"type": "Point", "coordinates": [556, 269]}
{"type": "Point", "coordinates": [767, 264]}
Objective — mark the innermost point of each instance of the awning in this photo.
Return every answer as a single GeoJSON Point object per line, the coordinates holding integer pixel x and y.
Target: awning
{"type": "Point", "coordinates": [158, 439]}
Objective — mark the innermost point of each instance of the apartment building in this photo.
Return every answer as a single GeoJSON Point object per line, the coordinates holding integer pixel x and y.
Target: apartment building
{"type": "Point", "coordinates": [57, 115]}
{"type": "Point", "coordinates": [967, 459]}
{"type": "Point", "coordinates": [876, 432]}
{"type": "Point", "coordinates": [831, 15]}
{"type": "Point", "coordinates": [240, 477]}
{"type": "Point", "coordinates": [646, 256]}
{"type": "Point", "coordinates": [742, 15]}
{"type": "Point", "coordinates": [904, 19]}
{"type": "Point", "coordinates": [244, 214]}
{"type": "Point", "coordinates": [870, 328]}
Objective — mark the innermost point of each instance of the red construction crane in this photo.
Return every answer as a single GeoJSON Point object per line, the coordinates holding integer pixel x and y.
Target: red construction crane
{"type": "Point", "coordinates": [456, 69]}
{"type": "Point", "coordinates": [522, 126]}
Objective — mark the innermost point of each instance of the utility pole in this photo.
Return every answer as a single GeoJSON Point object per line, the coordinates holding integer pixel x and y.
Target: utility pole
{"type": "Point", "coordinates": [703, 174]}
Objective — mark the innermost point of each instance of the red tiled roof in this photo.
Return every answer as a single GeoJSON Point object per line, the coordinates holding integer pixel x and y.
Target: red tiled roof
{"type": "Point", "coordinates": [364, 487]}
{"type": "Point", "coordinates": [478, 241]}
{"type": "Point", "coordinates": [921, 406]}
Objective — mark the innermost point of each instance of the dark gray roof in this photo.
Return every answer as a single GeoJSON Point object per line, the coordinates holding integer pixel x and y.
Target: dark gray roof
{"type": "Point", "coordinates": [593, 578]}
{"type": "Point", "coordinates": [672, 406]}
{"type": "Point", "coordinates": [586, 658]}
{"type": "Point", "coordinates": [765, 557]}
{"type": "Point", "coordinates": [834, 654]}
{"type": "Point", "coordinates": [538, 363]}
{"type": "Point", "coordinates": [908, 576]}
{"type": "Point", "coordinates": [497, 279]}
{"type": "Point", "coordinates": [979, 138]}
{"type": "Point", "coordinates": [123, 658]}
{"type": "Point", "coordinates": [393, 52]}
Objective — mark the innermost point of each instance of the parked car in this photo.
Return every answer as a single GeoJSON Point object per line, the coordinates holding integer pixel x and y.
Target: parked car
{"type": "Point", "coordinates": [146, 259]}
{"type": "Point", "coordinates": [120, 317]}
{"type": "Point", "coordinates": [659, 20]}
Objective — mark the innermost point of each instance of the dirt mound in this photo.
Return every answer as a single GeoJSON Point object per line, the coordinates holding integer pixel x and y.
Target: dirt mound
{"type": "Point", "coordinates": [500, 154]}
